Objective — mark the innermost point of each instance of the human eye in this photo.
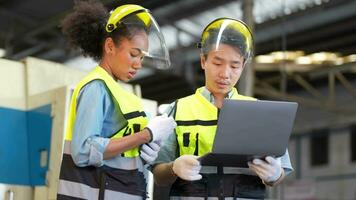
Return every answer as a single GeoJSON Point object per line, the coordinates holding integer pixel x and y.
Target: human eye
{"type": "Point", "coordinates": [236, 65]}
{"type": "Point", "coordinates": [217, 63]}
{"type": "Point", "coordinates": [135, 53]}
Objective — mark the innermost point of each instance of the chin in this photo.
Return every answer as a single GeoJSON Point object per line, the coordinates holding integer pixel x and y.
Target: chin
{"type": "Point", "coordinates": [223, 89]}
{"type": "Point", "coordinates": [122, 79]}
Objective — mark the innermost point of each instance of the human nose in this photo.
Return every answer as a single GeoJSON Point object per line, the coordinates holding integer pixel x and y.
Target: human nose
{"type": "Point", "coordinates": [224, 72]}
{"type": "Point", "coordinates": [137, 63]}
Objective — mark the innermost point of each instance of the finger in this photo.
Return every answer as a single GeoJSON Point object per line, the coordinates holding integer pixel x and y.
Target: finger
{"type": "Point", "coordinates": [146, 157]}
{"type": "Point", "coordinates": [154, 146]}
{"type": "Point", "coordinates": [257, 161]}
{"type": "Point", "coordinates": [260, 173]}
{"type": "Point", "coordinates": [258, 169]}
{"type": "Point", "coordinates": [261, 163]}
{"type": "Point", "coordinates": [252, 166]}
{"type": "Point", "coordinates": [145, 148]}
{"type": "Point", "coordinates": [271, 160]}
{"type": "Point", "coordinates": [195, 177]}
{"type": "Point", "coordinates": [196, 168]}
{"type": "Point", "coordinates": [193, 160]}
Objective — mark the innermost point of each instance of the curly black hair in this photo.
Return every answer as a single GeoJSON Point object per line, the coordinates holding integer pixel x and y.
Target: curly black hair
{"type": "Point", "coordinates": [85, 28]}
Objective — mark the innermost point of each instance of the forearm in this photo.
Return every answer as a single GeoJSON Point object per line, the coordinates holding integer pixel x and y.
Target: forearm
{"type": "Point", "coordinates": [163, 174]}
{"type": "Point", "coordinates": [120, 145]}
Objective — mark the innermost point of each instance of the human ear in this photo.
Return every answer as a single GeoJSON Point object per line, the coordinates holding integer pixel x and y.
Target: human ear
{"type": "Point", "coordinates": [109, 45]}
{"type": "Point", "coordinates": [202, 61]}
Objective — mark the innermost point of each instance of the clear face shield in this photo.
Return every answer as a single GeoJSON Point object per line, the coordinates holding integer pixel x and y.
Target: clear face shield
{"type": "Point", "coordinates": [227, 31]}
{"type": "Point", "coordinates": [138, 18]}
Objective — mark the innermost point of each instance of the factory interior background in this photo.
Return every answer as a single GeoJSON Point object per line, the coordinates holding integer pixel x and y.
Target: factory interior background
{"type": "Point", "coordinates": [304, 51]}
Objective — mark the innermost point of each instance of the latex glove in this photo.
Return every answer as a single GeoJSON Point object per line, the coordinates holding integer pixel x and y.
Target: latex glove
{"type": "Point", "coordinates": [149, 152]}
{"type": "Point", "coordinates": [187, 167]}
{"type": "Point", "coordinates": [160, 127]}
{"type": "Point", "coordinates": [269, 170]}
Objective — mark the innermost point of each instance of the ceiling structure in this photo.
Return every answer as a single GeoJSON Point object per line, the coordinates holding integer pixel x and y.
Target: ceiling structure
{"type": "Point", "coordinates": [31, 28]}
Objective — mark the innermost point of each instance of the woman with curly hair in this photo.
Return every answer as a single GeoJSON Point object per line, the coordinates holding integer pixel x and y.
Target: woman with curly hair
{"type": "Point", "coordinates": [106, 126]}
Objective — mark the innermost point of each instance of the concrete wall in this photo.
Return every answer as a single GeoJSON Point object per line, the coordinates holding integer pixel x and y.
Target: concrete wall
{"type": "Point", "coordinates": [30, 84]}
{"type": "Point", "coordinates": [335, 180]}
{"type": "Point", "coordinates": [12, 87]}
{"type": "Point", "coordinates": [44, 75]}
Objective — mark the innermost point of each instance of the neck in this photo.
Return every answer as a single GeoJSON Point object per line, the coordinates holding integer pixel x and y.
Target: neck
{"type": "Point", "coordinates": [107, 68]}
{"type": "Point", "coordinates": [218, 99]}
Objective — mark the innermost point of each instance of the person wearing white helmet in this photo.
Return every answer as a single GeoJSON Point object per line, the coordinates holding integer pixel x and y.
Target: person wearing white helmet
{"type": "Point", "coordinates": [106, 124]}
{"type": "Point", "coordinates": [226, 46]}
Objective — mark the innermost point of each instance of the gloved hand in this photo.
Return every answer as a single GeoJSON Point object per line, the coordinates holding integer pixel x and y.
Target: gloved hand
{"type": "Point", "coordinates": [269, 170]}
{"type": "Point", "coordinates": [160, 127]}
{"type": "Point", "coordinates": [149, 152]}
{"type": "Point", "coordinates": [187, 167]}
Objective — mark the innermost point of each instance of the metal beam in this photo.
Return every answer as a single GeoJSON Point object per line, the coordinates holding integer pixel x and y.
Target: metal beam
{"type": "Point", "coordinates": [29, 51]}
{"type": "Point", "coordinates": [348, 86]}
{"type": "Point", "coordinates": [246, 81]}
{"type": "Point", "coordinates": [184, 9]}
{"type": "Point", "coordinates": [307, 86]}
{"type": "Point", "coordinates": [341, 110]}
{"type": "Point", "coordinates": [311, 18]}
{"type": "Point", "coordinates": [323, 71]}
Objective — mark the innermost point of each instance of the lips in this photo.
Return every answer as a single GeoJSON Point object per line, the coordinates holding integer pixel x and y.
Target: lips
{"type": "Point", "coordinates": [222, 84]}
{"type": "Point", "coordinates": [132, 74]}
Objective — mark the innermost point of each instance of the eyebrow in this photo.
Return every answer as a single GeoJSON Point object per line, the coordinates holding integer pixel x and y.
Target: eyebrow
{"type": "Point", "coordinates": [145, 53]}
{"type": "Point", "coordinates": [217, 58]}
{"type": "Point", "coordinates": [221, 59]}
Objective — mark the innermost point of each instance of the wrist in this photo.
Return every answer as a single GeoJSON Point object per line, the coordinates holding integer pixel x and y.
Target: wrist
{"type": "Point", "coordinates": [172, 173]}
{"type": "Point", "coordinates": [148, 135]}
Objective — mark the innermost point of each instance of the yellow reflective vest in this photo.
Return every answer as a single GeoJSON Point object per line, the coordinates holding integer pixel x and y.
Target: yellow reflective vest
{"type": "Point", "coordinates": [130, 106]}
{"type": "Point", "coordinates": [93, 182]}
{"type": "Point", "coordinates": [196, 119]}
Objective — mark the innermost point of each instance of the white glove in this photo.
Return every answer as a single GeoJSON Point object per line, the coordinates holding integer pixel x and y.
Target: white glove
{"type": "Point", "coordinates": [149, 152]}
{"type": "Point", "coordinates": [187, 167]}
{"type": "Point", "coordinates": [269, 171]}
{"type": "Point", "coordinates": [160, 127]}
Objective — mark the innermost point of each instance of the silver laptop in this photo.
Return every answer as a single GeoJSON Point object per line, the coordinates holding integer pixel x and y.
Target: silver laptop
{"type": "Point", "coordinates": [249, 129]}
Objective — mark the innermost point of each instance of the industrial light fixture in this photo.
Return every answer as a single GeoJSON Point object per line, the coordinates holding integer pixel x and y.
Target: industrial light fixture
{"type": "Point", "coordinates": [2, 53]}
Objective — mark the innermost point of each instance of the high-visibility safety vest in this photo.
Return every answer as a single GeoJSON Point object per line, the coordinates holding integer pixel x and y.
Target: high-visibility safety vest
{"type": "Point", "coordinates": [98, 182]}
{"type": "Point", "coordinates": [196, 119]}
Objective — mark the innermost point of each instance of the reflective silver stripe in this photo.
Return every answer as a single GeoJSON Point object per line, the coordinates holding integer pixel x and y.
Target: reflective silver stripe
{"type": "Point", "coordinates": [126, 163]}
{"type": "Point", "coordinates": [202, 198]}
{"type": "Point", "coordinates": [237, 170]}
{"type": "Point", "coordinates": [208, 170]}
{"type": "Point", "coordinates": [226, 170]}
{"type": "Point", "coordinates": [77, 190]}
{"type": "Point", "coordinates": [117, 162]}
{"type": "Point", "coordinates": [109, 195]}
{"type": "Point", "coordinates": [67, 147]}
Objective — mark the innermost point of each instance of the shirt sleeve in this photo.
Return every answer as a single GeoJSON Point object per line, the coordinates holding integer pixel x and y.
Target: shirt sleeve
{"type": "Point", "coordinates": [88, 144]}
{"type": "Point", "coordinates": [286, 164]}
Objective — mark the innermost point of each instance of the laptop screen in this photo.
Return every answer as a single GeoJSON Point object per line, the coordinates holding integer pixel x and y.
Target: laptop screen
{"type": "Point", "coordinates": [259, 128]}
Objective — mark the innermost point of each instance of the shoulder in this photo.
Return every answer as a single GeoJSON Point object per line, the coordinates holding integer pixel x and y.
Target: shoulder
{"type": "Point", "coordinates": [187, 98]}
{"type": "Point", "coordinates": [94, 89]}
{"type": "Point", "coordinates": [95, 85]}
{"type": "Point", "coordinates": [243, 97]}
